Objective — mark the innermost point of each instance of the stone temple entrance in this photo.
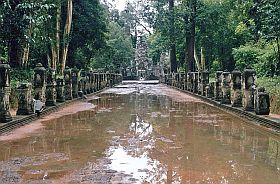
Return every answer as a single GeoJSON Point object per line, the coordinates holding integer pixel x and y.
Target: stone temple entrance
{"type": "Point", "coordinates": [142, 68]}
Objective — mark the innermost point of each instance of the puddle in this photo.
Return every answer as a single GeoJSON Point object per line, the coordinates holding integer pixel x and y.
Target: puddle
{"type": "Point", "coordinates": [140, 134]}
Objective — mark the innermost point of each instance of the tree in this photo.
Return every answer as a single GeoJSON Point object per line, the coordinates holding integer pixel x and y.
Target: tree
{"type": "Point", "coordinates": [19, 20]}
{"type": "Point", "coordinates": [118, 51]}
{"type": "Point", "coordinates": [172, 51]}
{"type": "Point", "coordinates": [271, 25]}
{"type": "Point", "coordinates": [87, 37]}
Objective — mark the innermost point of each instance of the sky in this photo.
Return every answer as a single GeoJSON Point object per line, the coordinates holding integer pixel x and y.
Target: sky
{"type": "Point", "coordinates": [120, 4]}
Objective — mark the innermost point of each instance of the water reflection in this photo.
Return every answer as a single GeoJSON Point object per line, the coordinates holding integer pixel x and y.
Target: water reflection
{"type": "Point", "coordinates": [149, 137]}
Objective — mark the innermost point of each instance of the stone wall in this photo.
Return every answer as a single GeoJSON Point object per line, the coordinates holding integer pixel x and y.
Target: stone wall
{"type": "Point", "coordinates": [234, 88]}
{"type": "Point", "coordinates": [49, 89]}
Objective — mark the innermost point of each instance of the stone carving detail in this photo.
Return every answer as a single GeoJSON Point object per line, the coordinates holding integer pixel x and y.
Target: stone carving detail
{"type": "Point", "coordinates": [68, 84]}
{"type": "Point", "coordinates": [218, 87]}
{"type": "Point", "coordinates": [60, 90]}
{"type": "Point", "coordinates": [40, 82]}
{"type": "Point", "coordinates": [51, 88]}
{"type": "Point", "coordinates": [226, 80]}
{"type": "Point", "coordinates": [204, 82]}
{"type": "Point", "coordinates": [5, 91]}
{"type": "Point", "coordinates": [262, 103]}
{"type": "Point", "coordinates": [236, 93]}
{"type": "Point", "coordinates": [249, 77]}
{"type": "Point", "coordinates": [75, 82]}
{"type": "Point", "coordinates": [25, 100]}
{"type": "Point", "coordinates": [83, 82]}
{"type": "Point", "coordinates": [195, 82]}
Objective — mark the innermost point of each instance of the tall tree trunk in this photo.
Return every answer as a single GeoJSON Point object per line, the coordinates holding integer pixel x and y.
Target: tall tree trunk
{"type": "Point", "coordinates": [172, 51]}
{"type": "Point", "coordinates": [14, 48]}
{"type": "Point", "coordinates": [55, 46]}
{"type": "Point", "coordinates": [14, 52]}
{"type": "Point", "coordinates": [66, 35]}
{"type": "Point", "coordinates": [26, 48]}
{"type": "Point", "coordinates": [191, 38]}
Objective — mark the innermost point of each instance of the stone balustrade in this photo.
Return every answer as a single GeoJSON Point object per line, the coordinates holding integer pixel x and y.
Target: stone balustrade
{"type": "Point", "coordinates": [5, 91]}
{"type": "Point", "coordinates": [25, 99]}
{"type": "Point", "coordinates": [232, 88]}
{"type": "Point", "coordinates": [50, 89]}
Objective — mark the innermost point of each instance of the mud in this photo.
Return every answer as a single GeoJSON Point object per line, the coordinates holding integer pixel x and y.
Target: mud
{"type": "Point", "coordinates": [141, 134]}
{"type": "Point", "coordinates": [28, 129]}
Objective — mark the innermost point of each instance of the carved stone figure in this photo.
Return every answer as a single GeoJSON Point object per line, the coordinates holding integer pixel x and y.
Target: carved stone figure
{"type": "Point", "coordinates": [218, 85]}
{"type": "Point", "coordinates": [249, 79]}
{"type": "Point", "coordinates": [24, 99]}
{"type": "Point", "coordinates": [236, 93]}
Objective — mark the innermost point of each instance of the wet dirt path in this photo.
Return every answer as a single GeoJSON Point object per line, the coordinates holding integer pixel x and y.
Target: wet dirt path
{"type": "Point", "coordinates": [140, 134]}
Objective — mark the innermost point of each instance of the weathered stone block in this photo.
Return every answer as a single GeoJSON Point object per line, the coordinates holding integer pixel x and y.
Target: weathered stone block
{"type": "Point", "coordinates": [24, 99]}
{"type": "Point", "coordinates": [249, 79]}
{"type": "Point", "coordinates": [218, 85]}
{"type": "Point", "coordinates": [68, 84]}
{"type": "Point", "coordinates": [226, 80]}
{"type": "Point", "coordinates": [5, 115]}
{"type": "Point", "coordinates": [262, 102]}
{"type": "Point", "coordinates": [60, 90]}
{"type": "Point", "coordinates": [236, 93]}
{"type": "Point", "coordinates": [40, 77]}
{"type": "Point", "coordinates": [75, 82]}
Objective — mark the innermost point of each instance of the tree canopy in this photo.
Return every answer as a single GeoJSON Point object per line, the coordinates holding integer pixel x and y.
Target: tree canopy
{"type": "Point", "coordinates": [194, 34]}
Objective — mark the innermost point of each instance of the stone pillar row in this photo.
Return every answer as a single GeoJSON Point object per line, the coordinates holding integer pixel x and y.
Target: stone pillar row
{"type": "Point", "coordinates": [232, 88]}
{"type": "Point", "coordinates": [49, 88]}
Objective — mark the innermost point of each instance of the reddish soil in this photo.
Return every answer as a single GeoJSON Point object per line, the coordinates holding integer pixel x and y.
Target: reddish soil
{"type": "Point", "coordinates": [26, 130]}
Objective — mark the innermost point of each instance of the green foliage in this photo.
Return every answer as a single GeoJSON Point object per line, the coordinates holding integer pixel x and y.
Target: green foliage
{"type": "Point", "coordinates": [87, 36]}
{"type": "Point", "coordinates": [20, 23]}
{"type": "Point", "coordinates": [21, 75]}
{"type": "Point", "coordinates": [260, 56]}
{"type": "Point", "coordinates": [118, 52]}
{"type": "Point", "coordinates": [271, 84]}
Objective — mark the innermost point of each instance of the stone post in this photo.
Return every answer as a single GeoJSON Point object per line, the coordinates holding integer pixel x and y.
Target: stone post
{"type": "Point", "coordinates": [98, 81]}
{"type": "Point", "coordinates": [103, 81]}
{"type": "Point", "coordinates": [108, 79]}
{"type": "Point", "coordinates": [196, 82]}
{"type": "Point", "coordinates": [218, 87]}
{"type": "Point", "coordinates": [111, 80]}
{"type": "Point", "coordinates": [226, 88]}
{"type": "Point", "coordinates": [182, 81]}
{"type": "Point", "coordinates": [5, 91]}
{"type": "Point", "coordinates": [249, 79]}
{"type": "Point", "coordinates": [236, 93]}
{"type": "Point", "coordinates": [189, 81]}
{"type": "Point", "coordinates": [173, 80]}
{"type": "Point", "coordinates": [88, 82]}
{"type": "Point", "coordinates": [209, 90]}
{"type": "Point", "coordinates": [24, 99]}
{"type": "Point", "coordinates": [50, 89]}
{"type": "Point", "coordinates": [94, 81]}
{"type": "Point", "coordinates": [262, 102]}
{"type": "Point", "coordinates": [60, 90]}
{"type": "Point", "coordinates": [68, 84]}
{"type": "Point", "coordinates": [91, 81]}
{"type": "Point", "coordinates": [204, 82]}
{"type": "Point", "coordinates": [177, 80]}
{"type": "Point", "coordinates": [199, 84]}
{"type": "Point", "coordinates": [40, 82]}
{"type": "Point", "coordinates": [75, 82]}
{"type": "Point", "coordinates": [83, 81]}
